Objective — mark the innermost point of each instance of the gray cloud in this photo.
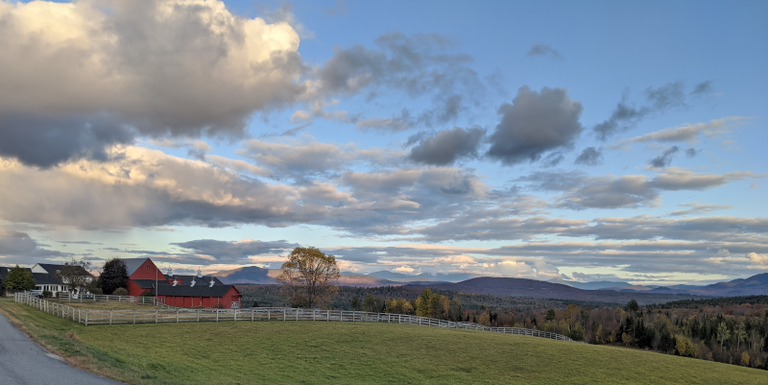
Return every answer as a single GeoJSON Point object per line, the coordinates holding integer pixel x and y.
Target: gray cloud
{"type": "Point", "coordinates": [19, 248]}
{"type": "Point", "coordinates": [416, 65]}
{"type": "Point", "coordinates": [544, 50]}
{"type": "Point", "coordinates": [447, 146]}
{"type": "Point", "coordinates": [692, 152]}
{"type": "Point", "coordinates": [590, 157]}
{"type": "Point", "coordinates": [697, 209]}
{"type": "Point", "coordinates": [93, 78]}
{"type": "Point", "coordinates": [631, 191]}
{"type": "Point", "coordinates": [622, 118]}
{"type": "Point", "coordinates": [660, 99]}
{"type": "Point", "coordinates": [689, 133]}
{"type": "Point", "coordinates": [665, 159]}
{"type": "Point", "coordinates": [553, 159]}
{"type": "Point", "coordinates": [45, 141]}
{"type": "Point", "coordinates": [535, 123]}
{"type": "Point", "coordinates": [667, 96]}
{"type": "Point", "coordinates": [235, 251]}
{"type": "Point", "coordinates": [702, 88]}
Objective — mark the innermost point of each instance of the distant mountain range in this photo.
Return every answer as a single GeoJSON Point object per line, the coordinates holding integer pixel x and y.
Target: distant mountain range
{"type": "Point", "coordinates": [600, 291]}
{"type": "Point", "coordinates": [258, 276]}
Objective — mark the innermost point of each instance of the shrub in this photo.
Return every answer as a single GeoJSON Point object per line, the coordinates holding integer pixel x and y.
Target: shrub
{"type": "Point", "coordinates": [47, 294]}
{"type": "Point", "coordinates": [120, 291]}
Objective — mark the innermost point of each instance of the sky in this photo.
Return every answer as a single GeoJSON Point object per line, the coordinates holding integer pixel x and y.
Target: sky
{"type": "Point", "coordinates": [553, 140]}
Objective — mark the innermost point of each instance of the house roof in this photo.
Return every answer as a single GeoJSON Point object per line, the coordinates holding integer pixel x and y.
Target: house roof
{"type": "Point", "coordinates": [45, 279]}
{"type": "Point", "coordinates": [51, 269]}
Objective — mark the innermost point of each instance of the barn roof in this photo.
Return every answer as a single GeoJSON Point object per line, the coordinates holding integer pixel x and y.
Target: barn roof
{"type": "Point", "coordinates": [201, 288]}
{"type": "Point", "coordinates": [133, 264]}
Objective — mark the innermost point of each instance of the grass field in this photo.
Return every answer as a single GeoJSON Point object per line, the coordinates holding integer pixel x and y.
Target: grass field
{"type": "Point", "coordinates": [320, 352]}
{"type": "Point", "coordinates": [108, 305]}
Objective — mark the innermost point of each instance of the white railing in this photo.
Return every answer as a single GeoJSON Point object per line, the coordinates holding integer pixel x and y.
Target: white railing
{"type": "Point", "coordinates": [147, 300]}
{"type": "Point", "coordinates": [176, 315]}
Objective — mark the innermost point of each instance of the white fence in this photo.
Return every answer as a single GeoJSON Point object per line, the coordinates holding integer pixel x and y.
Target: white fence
{"type": "Point", "coordinates": [147, 300]}
{"type": "Point", "coordinates": [176, 315]}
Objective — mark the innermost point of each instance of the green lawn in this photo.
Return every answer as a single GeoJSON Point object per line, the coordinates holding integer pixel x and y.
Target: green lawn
{"type": "Point", "coordinates": [108, 305]}
{"type": "Point", "coordinates": [320, 352]}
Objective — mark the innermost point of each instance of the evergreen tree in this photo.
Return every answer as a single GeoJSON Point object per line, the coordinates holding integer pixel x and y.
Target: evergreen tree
{"type": "Point", "coordinates": [19, 279]}
{"type": "Point", "coordinates": [355, 304]}
{"type": "Point", "coordinates": [113, 276]}
{"type": "Point", "coordinates": [550, 315]}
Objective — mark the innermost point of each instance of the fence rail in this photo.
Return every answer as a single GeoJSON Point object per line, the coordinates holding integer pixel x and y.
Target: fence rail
{"type": "Point", "coordinates": [176, 315]}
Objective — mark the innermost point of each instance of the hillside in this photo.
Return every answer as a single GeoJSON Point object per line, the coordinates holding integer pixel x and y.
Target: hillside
{"type": "Point", "coordinates": [259, 276]}
{"type": "Point", "coordinates": [529, 288]}
{"type": "Point", "coordinates": [355, 353]}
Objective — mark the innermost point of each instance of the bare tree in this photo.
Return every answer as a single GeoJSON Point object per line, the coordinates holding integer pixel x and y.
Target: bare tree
{"type": "Point", "coordinates": [309, 277]}
{"type": "Point", "coordinates": [74, 274]}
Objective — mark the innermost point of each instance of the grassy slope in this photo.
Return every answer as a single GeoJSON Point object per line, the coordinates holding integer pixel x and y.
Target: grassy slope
{"type": "Point", "coordinates": [318, 352]}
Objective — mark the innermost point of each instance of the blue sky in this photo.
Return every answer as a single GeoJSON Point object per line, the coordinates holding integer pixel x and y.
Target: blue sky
{"type": "Point", "coordinates": [549, 140]}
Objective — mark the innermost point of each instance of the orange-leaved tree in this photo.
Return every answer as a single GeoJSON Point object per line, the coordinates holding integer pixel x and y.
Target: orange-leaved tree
{"type": "Point", "coordinates": [309, 277]}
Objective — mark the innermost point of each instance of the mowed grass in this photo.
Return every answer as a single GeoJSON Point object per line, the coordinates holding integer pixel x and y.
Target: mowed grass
{"type": "Point", "coordinates": [352, 353]}
{"type": "Point", "coordinates": [108, 305]}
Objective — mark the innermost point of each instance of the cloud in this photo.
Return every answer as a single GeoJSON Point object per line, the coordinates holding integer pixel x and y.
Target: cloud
{"type": "Point", "coordinates": [660, 99]}
{"type": "Point", "coordinates": [553, 159]}
{"type": "Point", "coordinates": [667, 96]}
{"type": "Point", "coordinates": [447, 146]}
{"type": "Point", "coordinates": [417, 65]}
{"type": "Point", "coordinates": [665, 159]}
{"type": "Point", "coordinates": [622, 118]}
{"type": "Point", "coordinates": [19, 248]}
{"type": "Point", "coordinates": [303, 161]}
{"type": "Point", "coordinates": [630, 191]}
{"type": "Point", "coordinates": [759, 261]}
{"type": "Point", "coordinates": [691, 152]}
{"type": "Point", "coordinates": [84, 77]}
{"type": "Point", "coordinates": [235, 251]}
{"type": "Point", "coordinates": [535, 123]}
{"type": "Point", "coordinates": [702, 88]}
{"type": "Point", "coordinates": [688, 133]}
{"type": "Point", "coordinates": [142, 187]}
{"type": "Point", "coordinates": [697, 209]}
{"type": "Point", "coordinates": [544, 50]}
{"type": "Point", "coordinates": [590, 157]}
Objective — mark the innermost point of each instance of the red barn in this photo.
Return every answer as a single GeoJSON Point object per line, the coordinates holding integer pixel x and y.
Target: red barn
{"type": "Point", "coordinates": [179, 290]}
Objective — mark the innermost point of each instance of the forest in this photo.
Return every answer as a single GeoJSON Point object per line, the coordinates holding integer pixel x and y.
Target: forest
{"type": "Point", "coordinates": [730, 330]}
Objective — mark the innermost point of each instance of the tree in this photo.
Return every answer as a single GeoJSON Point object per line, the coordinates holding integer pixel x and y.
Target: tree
{"type": "Point", "coordinates": [355, 303]}
{"type": "Point", "coordinates": [2, 287]}
{"type": "Point", "coordinates": [120, 291]}
{"type": "Point", "coordinates": [74, 274]}
{"type": "Point", "coordinates": [113, 276]}
{"type": "Point", "coordinates": [723, 334]}
{"type": "Point", "coordinates": [740, 334]}
{"type": "Point", "coordinates": [309, 277]}
{"type": "Point", "coordinates": [550, 315]}
{"type": "Point", "coordinates": [632, 306]}
{"type": "Point", "coordinates": [19, 279]}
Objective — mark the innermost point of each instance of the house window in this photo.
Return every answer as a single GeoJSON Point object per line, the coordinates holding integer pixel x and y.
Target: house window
{"type": "Point", "coordinates": [147, 266]}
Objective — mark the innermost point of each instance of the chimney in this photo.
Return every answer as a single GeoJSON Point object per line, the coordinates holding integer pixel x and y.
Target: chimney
{"type": "Point", "coordinates": [193, 282]}
{"type": "Point", "coordinates": [212, 282]}
{"type": "Point", "coordinates": [175, 282]}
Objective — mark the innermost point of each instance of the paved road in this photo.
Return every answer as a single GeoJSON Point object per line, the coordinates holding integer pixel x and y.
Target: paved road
{"type": "Point", "coordinates": [23, 362]}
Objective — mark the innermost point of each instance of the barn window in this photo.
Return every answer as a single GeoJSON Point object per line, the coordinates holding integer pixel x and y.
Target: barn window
{"type": "Point", "coordinates": [147, 266]}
